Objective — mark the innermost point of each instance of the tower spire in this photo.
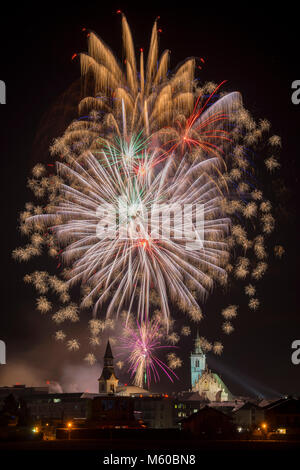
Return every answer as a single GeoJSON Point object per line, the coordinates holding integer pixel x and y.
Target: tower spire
{"type": "Point", "coordinates": [108, 352]}
{"type": "Point", "coordinates": [198, 361]}
{"type": "Point", "coordinates": [108, 381]}
{"type": "Point", "coordinates": [197, 341]}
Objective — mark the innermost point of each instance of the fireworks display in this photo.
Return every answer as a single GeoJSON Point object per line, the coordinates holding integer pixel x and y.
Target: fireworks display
{"type": "Point", "coordinates": [143, 342]}
{"type": "Point", "coordinates": [145, 139]}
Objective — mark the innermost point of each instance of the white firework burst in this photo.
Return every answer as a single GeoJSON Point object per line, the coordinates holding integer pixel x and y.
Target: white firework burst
{"type": "Point", "coordinates": [122, 265]}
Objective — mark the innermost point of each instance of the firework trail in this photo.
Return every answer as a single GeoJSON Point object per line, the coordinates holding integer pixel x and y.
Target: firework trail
{"type": "Point", "coordinates": [124, 264]}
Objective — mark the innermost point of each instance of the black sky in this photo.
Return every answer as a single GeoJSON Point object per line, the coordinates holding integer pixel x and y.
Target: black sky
{"type": "Point", "coordinates": [258, 53]}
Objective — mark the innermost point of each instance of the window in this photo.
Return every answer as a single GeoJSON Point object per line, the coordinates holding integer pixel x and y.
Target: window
{"type": "Point", "coordinates": [197, 363]}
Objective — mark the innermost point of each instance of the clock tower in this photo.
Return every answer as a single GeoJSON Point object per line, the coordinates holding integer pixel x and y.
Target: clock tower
{"type": "Point", "coordinates": [198, 361]}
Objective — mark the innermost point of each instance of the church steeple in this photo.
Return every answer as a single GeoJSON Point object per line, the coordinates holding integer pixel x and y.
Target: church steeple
{"type": "Point", "coordinates": [108, 381]}
{"type": "Point", "coordinates": [197, 341]}
{"type": "Point", "coordinates": [108, 356]}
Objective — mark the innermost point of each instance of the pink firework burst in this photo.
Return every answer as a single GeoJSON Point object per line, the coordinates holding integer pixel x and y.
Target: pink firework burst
{"type": "Point", "coordinates": [143, 341]}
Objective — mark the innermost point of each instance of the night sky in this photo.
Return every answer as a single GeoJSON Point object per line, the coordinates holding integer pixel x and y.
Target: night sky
{"type": "Point", "coordinates": [258, 54]}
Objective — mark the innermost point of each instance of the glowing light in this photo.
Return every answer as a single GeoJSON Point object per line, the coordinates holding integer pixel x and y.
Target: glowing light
{"type": "Point", "coordinates": [143, 342]}
{"type": "Point", "coordinates": [144, 243]}
{"type": "Point", "coordinates": [281, 430]}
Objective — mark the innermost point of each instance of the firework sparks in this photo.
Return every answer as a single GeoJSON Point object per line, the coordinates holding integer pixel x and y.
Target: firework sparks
{"type": "Point", "coordinates": [43, 304]}
{"type": "Point", "coordinates": [90, 359]}
{"type": "Point", "coordinates": [250, 290]}
{"type": "Point", "coordinates": [143, 343]}
{"type": "Point", "coordinates": [253, 304]}
{"type": "Point", "coordinates": [230, 311]}
{"type": "Point", "coordinates": [174, 362]}
{"type": "Point", "coordinates": [185, 331]}
{"type": "Point", "coordinates": [227, 327]}
{"type": "Point", "coordinates": [279, 251]}
{"type": "Point", "coordinates": [73, 345]}
{"type": "Point", "coordinates": [131, 261]}
{"type": "Point", "coordinates": [145, 138]}
{"type": "Point", "coordinates": [218, 348]}
{"type": "Point", "coordinates": [60, 335]}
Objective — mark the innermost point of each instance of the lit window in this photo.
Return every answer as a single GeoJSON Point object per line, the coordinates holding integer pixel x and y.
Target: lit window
{"type": "Point", "coordinates": [281, 431]}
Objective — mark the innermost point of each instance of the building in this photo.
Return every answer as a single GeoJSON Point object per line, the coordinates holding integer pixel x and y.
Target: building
{"type": "Point", "coordinates": [58, 406]}
{"type": "Point", "coordinates": [198, 362]}
{"type": "Point", "coordinates": [247, 416]}
{"type": "Point", "coordinates": [207, 384]}
{"type": "Point", "coordinates": [108, 381]}
{"type": "Point", "coordinates": [186, 404]}
{"type": "Point", "coordinates": [208, 423]}
{"type": "Point", "coordinates": [21, 391]}
{"type": "Point", "coordinates": [111, 412]}
{"type": "Point", "coordinates": [132, 391]}
{"type": "Point", "coordinates": [128, 406]}
{"type": "Point", "coordinates": [283, 416]}
{"type": "Point", "coordinates": [156, 411]}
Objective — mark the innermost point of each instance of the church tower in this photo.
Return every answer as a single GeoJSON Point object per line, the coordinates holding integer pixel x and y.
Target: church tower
{"type": "Point", "coordinates": [198, 361]}
{"type": "Point", "coordinates": [108, 381]}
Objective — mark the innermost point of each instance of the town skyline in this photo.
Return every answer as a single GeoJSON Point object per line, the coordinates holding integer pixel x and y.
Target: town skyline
{"type": "Point", "coordinates": [257, 356]}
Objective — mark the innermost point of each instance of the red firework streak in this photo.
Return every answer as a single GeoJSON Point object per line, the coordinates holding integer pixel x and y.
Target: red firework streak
{"type": "Point", "coordinates": [57, 257]}
{"type": "Point", "coordinates": [140, 171]}
{"type": "Point", "coordinates": [144, 243]}
{"type": "Point", "coordinates": [185, 139]}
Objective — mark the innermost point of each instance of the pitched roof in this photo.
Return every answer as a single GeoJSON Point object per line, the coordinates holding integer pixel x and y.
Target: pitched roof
{"type": "Point", "coordinates": [205, 409]}
{"type": "Point", "coordinates": [107, 373]}
{"type": "Point", "coordinates": [248, 405]}
{"type": "Point", "coordinates": [287, 405]}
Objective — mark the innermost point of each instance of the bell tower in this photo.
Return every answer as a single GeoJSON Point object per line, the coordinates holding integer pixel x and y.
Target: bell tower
{"type": "Point", "coordinates": [108, 381]}
{"type": "Point", "coordinates": [198, 361]}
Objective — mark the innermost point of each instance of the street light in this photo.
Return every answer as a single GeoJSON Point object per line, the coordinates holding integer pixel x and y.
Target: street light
{"type": "Point", "coordinates": [69, 425]}
{"type": "Point", "coordinates": [264, 427]}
